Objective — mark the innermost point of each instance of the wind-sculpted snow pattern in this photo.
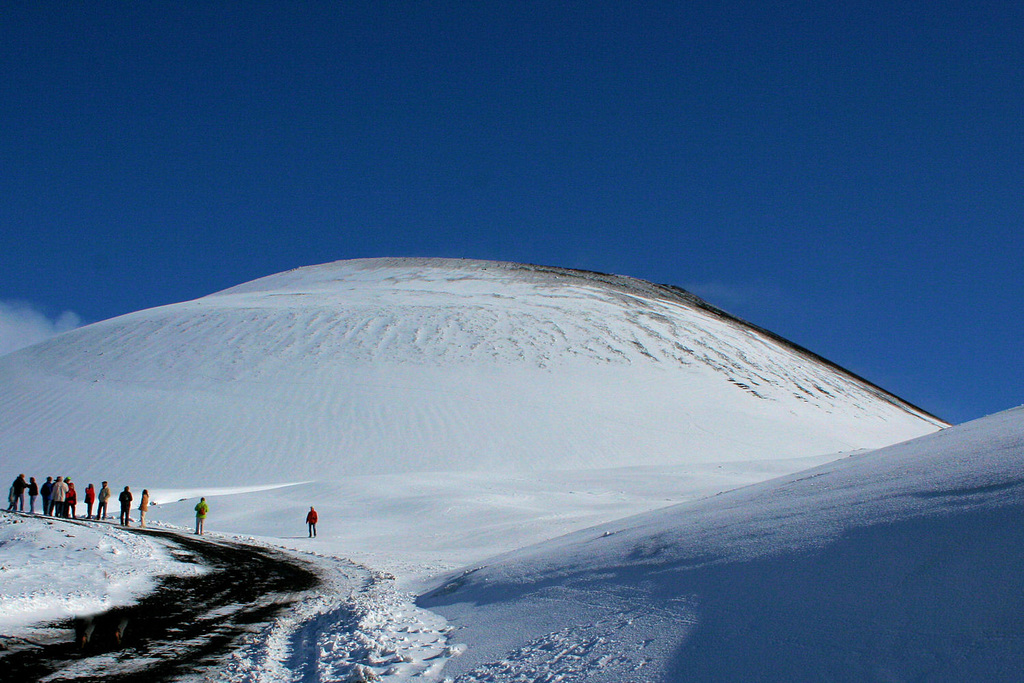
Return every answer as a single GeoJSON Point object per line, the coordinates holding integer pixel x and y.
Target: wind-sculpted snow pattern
{"type": "Point", "coordinates": [402, 365]}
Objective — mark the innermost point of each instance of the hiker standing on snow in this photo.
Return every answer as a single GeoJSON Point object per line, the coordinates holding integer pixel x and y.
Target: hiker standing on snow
{"type": "Point", "coordinates": [10, 499]}
{"type": "Point", "coordinates": [101, 509]}
{"type": "Point", "coordinates": [143, 507]}
{"type": "Point", "coordinates": [90, 498]}
{"type": "Point", "coordinates": [126, 506]}
{"type": "Point", "coordinates": [33, 493]}
{"type": "Point", "coordinates": [45, 490]}
{"type": "Point", "coordinates": [311, 518]}
{"type": "Point", "coordinates": [57, 496]}
{"type": "Point", "coordinates": [70, 500]}
{"type": "Point", "coordinates": [19, 487]}
{"type": "Point", "coordinates": [202, 509]}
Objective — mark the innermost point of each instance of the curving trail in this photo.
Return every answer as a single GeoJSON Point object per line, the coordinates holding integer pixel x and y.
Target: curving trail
{"type": "Point", "coordinates": [184, 626]}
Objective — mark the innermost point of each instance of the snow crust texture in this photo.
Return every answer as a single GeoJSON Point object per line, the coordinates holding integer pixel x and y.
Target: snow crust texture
{"type": "Point", "coordinates": [406, 365]}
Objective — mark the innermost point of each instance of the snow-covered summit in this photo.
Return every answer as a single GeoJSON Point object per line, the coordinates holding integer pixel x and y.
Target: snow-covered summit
{"type": "Point", "coordinates": [404, 365]}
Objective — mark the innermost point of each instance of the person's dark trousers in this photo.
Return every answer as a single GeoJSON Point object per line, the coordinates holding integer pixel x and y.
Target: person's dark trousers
{"type": "Point", "coordinates": [312, 530]}
{"type": "Point", "coordinates": [125, 516]}
{"type": "Point", "coordinates": [46, 505]}
{"type": "Point", "coordinates": [101, 511]}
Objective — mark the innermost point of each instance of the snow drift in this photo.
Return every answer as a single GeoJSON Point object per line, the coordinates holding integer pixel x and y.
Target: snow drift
{"type": "Point", "coordinates": [413, 365]}
{"type": "Point", "coordinates": [896, 565]}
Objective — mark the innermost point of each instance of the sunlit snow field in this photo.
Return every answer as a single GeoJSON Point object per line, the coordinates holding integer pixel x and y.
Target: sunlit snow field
{"type": "Point", "coordinates": [534, 474]}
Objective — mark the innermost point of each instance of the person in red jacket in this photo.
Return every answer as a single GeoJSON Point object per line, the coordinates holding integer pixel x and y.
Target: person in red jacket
{"type": "Point", "coordinates": [70, 500]}
{"type": "Point", "coordinates": [311, 518]}
{"type": "Point", "coordinates": [90, 498]}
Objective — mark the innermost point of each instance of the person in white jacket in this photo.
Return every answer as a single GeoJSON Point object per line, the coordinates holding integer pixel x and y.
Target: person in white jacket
{"type": "Point", "coordinates": [58, 495]}
{"type": "Point", "coordinates": [103, 498]}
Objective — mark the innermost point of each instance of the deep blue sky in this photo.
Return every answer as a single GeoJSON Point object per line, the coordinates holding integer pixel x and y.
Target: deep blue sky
{"type": "Point", "coordinates": [849, 176]}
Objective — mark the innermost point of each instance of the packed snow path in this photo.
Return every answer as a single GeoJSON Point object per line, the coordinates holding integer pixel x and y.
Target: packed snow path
{"type": "Point", "coordinates": [253, 614]}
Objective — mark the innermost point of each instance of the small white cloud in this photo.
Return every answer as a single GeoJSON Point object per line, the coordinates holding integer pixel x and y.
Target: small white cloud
{"type": "Point", "coordinates": [22, 325]}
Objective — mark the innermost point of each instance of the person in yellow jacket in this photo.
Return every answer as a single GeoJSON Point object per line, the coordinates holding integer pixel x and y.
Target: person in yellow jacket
{"type": "Point", "coordinates": [202, 509]}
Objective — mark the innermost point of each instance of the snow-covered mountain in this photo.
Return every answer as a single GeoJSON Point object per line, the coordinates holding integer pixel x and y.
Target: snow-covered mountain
{"type": "Point", "coordinates": [413, 365]}
{"type": "Point", "coordinates": [487, 433]}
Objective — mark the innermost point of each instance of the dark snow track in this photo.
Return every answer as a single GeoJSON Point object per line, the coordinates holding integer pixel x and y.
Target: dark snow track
{"type": "Point", "coordinates": [185, 626]}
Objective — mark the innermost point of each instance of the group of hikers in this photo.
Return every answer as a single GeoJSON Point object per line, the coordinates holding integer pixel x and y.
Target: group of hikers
{"type": "Point", "coordinates": [60, 499]}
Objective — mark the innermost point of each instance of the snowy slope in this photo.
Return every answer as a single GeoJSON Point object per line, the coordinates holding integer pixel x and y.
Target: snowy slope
{"type": "Point", "coordinates": [897, 565]}
{"type": "Point", "coordinates": [414, 365]}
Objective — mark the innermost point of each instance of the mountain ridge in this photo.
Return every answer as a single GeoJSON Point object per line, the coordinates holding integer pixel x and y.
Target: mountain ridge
{"type": "Point", "coordinates": [629, 285]}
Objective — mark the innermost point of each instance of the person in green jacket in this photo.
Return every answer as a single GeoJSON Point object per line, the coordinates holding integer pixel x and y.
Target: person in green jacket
{"type": "Point", "coordinates": [202, 509]}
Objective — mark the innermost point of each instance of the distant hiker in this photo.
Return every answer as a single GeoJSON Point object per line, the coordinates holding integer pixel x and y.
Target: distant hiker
{"type": "Point", "coordinates": [101, 508]}
{"type": "Point", "coordinates": [90, 498]}
{"type": "Point", "coordinates": [126, 506]}
{"type": "Point", "coordinates": [57, 495]}
{"type": "Point", "coordinates": [202, 509]}
{"type": "Point", "coordinates": [19, 486]}
{"type": "Point", "coordinates": [70, 501]}
{"type": "Point", "coordinates": [143, 507]}
{"type": "Point", "coordinates": [45, 490]}
{"type": "Point", "coordinates": [311, 518]}
{"type": "Point", "coordinates": [33, 493]}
